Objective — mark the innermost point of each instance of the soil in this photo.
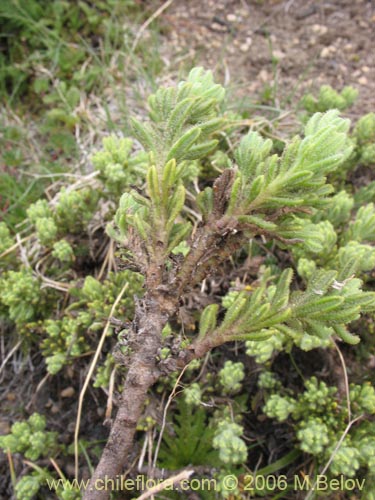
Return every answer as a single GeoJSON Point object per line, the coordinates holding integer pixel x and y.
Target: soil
{"type": "Point", "coordinates": [289, 46]}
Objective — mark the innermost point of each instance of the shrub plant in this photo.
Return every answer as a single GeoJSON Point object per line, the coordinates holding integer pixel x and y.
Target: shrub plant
{"type": "Point", "coordinates": [163, 217]}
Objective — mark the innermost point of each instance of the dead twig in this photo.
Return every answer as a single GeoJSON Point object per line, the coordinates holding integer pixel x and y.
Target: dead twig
{"type": "Point", "coordinates": [178, 478]}
{"type": "Point", "coordinates": [9, 355]}
{"type": "Point", "coordinates": [346, 380]}
{"type": "Point", "coordinates": [336, 449]}
{"type": "Point", "coordinates": [147, 23]}
{"type": "Point", "coordinates": [170, 399]}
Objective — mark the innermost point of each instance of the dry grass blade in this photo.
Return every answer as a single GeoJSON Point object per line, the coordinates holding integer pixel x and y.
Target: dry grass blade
{"type": "Point", "coordinates": [182, 476]}
{"type": "Point", "coordinates": [9, 355]}
{"type": "Point", "coordinates": [170, 399]}
{"type": "Point", "coordinates": [147, 23]}
{"type": "Point", "coordinates": [331, 458]}
{"type": "Point", "coordinates": [108, 411]}
{"type": "Point", "coordinates": [16, 245]}
{"type": "Point", "coordinates": [346, 380]}
{"type": "Point", "coordinates": [89, 375]}
{"type": "Point", "coordinates": [57, 468]}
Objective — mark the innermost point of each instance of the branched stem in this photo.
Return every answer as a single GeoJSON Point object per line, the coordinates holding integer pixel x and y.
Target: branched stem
{"type": "Point", "coordinates": [151, 315]}
{"type": "Point", "coordinates": [142, 374]}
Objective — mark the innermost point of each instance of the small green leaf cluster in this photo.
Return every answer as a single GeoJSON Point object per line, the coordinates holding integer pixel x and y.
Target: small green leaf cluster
{"type": "Point", "coordinates": [313, 436]}
{"type": "Point", "coordinates": [362, 398]}
{"type": "Point", "coordinates": [340, 238]}
{"type": "Point", "coordinates": [65, 338]}
{"type": "Point", "coordinates": [182, 119]}
{"type": "Point", "coordinates": [364, 135]}
{"type": "Point", "coordinates": [364, 438]}
{"type": "Point", "coordinates": [41, 216]}
{"type": "Point", "coordinates": [329, 98]}
{"type": "Point", "coordinates": [100, 296]}
{"type": "Point", "coordinates": [227, 439]}
{"type": "Point", "coordinates": [268, 380]}
{"type": "Point", "coordinates": [30, 438]}
{"type": "Point", "coordinates": [320, 419]}
{"type": "Point", "coordinates": [117, 166]}
{"type": "Point", "coordinates": [63, 251]}
{"type": "Point", "coordinates": [193, 394]}
{"type": "Point", "coordinates": [75, 208]}
{"type": "Point", "coordinates": [347, 460]}
{"type": "Point", "coordinates": [299, 173]}
{"type": "Point", "coordinates": [71, 214]}
{"type": "Point", "coordinates": [28, 486]}
{"type": "Point", "coordinates": [363, 227]}
{"type": "Point", "coordinates": [69, 494]}
{"type": "Point", "coordinates": [279, 407]}
{"type": "Point", "coordinates": [69, 337]}
{"type": "Point", "coordinates": [365, 194]}
{"type": "Point", "coordinates": [231, 376]}
{"type": "Point", "coordinates": [263, 351]}
{"type": "Point", "coordinates": [33, 441]}
{"type": "Point", "coordinates": [22, 295]}
{"type": "Point", "coordinates": [6, 240]}
{"type": "Point", "coordinates": [154, 219]}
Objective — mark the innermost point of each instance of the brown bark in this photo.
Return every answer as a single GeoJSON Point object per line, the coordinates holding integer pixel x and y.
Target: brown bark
{"type": "Point", "coordinates": [142, 374]}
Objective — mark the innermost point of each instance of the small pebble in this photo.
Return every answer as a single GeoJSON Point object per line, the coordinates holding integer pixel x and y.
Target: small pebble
{"type": "Point", "coordinates": [371, 361]}
{"type": "Point", "coordinates": [70, 469]}
{"type": "Point", "coordinates": [312, 41]}
{"type": "Point", "coordinates": [67, 393]}
{"type": "Point", "coordinates": [319, 29]}
{"type": "Point", "coordinates": [4, 427]}
{"type": "Point", "coordinates": [244, 47]}
{"type": "Point", "coordinates": [362, 80]}
{"type": "Point", "coordinates": [263, 75]}
{"type": "Point", "coordinates": [343, 68]}
{"type": "Point", "coordinates": [71, 426]}
{"type": "Point", "coordinates": [216, 44]}
{"type": "Point", "coordinates": [279, 54]}
{"type": "Point", "coordinates": [327, 52]}
{"type": "Point", "coordinates": [55, 409]}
